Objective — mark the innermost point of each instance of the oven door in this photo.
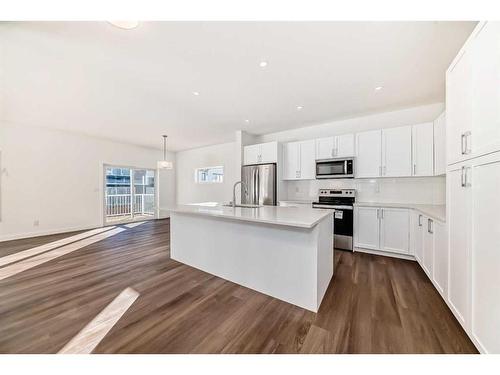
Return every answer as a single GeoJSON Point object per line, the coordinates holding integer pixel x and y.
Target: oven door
{"type": "Point", "coordinates": [341, 168]}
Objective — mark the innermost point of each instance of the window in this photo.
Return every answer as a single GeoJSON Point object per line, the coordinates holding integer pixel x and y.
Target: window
{"type": "Point", "coordinates": [209, 175]}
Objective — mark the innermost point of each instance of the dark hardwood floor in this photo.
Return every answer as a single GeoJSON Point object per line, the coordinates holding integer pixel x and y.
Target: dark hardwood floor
{"type": "Point", "coordinates": [373, 305]}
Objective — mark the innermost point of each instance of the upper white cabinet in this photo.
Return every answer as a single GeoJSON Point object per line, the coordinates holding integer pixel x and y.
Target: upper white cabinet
{"type": "Point", "coordinates": [384, 153]}
{"type": "Point", "coordinates": [261, 153]}
{"type": "Point", "coordinates": [472, 96]}
{"type": "Point", "coordinates": [335, 147]}
{"type": "Point", "coordinates": [368, 154]}
{"type": "Point", "coordinates": [440, 145]}
{"type": "Point", "coordinates": [396, 152]}
{"type": "Point", "coordinates": [381, 228]}
{"type": "Point", "coordinates": [423, 149]}
{"type": "Point", "coordinates": [299, 160]}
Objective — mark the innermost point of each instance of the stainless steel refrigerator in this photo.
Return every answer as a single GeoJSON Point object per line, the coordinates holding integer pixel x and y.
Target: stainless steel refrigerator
{"type": "Point", "coordinates": [260, 181]}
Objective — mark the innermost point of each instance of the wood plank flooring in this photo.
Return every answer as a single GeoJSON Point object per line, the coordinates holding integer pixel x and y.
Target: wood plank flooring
{"type": "Point", "coordinates": [373, 305]}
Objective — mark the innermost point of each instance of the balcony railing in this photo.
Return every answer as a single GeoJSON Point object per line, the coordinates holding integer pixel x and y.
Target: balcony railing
{"type": "Point", "coordinates": [119, 205]}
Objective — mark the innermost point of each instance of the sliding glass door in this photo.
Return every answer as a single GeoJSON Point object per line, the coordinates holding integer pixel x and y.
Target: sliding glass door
{"type": "Point", "coordinates": [130, 194]}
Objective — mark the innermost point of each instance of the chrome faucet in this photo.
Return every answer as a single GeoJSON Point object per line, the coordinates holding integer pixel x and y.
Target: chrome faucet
{"type": "Point", "coordinates": [243, 185]}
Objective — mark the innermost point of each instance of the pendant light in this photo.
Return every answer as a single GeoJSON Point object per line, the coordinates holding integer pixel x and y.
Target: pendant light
{"type": "Point", "coordinates": [164, 164]}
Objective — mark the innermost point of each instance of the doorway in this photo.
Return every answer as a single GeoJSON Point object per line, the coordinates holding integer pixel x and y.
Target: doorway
{"type": "Point", "coordinates": [129, 194]}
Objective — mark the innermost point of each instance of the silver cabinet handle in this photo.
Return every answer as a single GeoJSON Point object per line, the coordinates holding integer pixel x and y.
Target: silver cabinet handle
{"type": "Point", "coordinates": [429, 226]}
{"type": "Point", "coordinates": [419, 220]}
{"type": "Point", "coordinates": [414, 169]}
{"type": "Point", "coordinates": [381, 213]}
{"type": "Point", "coordinates": [462, 143]}
{"type": "Point", "coordinates": [467, 135]}
{"type": "Point", "coordinates": [463, 177]}
{"type": "Point", "coordinates": [467, 182]}
{"type": "Point", "coordinates": [378, 213]}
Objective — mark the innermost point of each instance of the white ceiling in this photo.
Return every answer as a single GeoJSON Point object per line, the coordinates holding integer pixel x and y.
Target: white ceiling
{"type": "Point", "coordinates": [135, 85]}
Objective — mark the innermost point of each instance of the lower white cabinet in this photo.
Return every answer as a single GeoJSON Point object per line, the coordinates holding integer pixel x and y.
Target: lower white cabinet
{"type": "Point", "coordinates": [384, 229]}
{"type": "Point", "coordinates": [440, 259]}
{"type": "Point", "coordinates": [418, 237]}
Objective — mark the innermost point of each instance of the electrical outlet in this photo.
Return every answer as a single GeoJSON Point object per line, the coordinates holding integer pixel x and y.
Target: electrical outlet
{"type": "Point", "coordinates": [36, 223]}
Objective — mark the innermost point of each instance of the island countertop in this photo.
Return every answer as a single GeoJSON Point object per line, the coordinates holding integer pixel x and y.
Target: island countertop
{"type": "Point", "coordinates": [301, 217]}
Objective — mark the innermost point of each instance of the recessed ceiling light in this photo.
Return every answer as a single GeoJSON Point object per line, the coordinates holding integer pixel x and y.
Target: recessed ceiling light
{"type": "Point", "coordinates": [247, 121]}
{"type": "Point", "coordinates": [378, 88]}
{"type": "Point", "coordinates": [263, 64]}
{"type": "Point", "coordinates": [127, 25]}
{"type": "Point", "coordinates": [299, 108]}
{"type": "Point", "coordinates": [196, 93]}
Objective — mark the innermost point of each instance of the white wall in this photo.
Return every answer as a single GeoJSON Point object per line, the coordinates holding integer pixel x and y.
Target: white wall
{"type": "Point", "coordinates": [188, 191]}
{"type": "Point", "coordinates": [55, 177]}
{"type": "Point", "coordinates": [408, 116]}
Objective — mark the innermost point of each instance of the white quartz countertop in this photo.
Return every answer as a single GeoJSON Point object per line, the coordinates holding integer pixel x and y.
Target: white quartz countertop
{"type": "Point", "coordinates": [301, 217]}
{"type": "Point", "coordinates": [434, 211]}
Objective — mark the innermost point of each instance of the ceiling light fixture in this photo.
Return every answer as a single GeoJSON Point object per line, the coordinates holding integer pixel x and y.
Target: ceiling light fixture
{"type": "Point", "coordinates": [164, 164]}
{"type": "Point", "coordinates": [247, 121]}
{"type": "Point", "coordinates": [196, 93]}
{"type": "Point", "coordinates": [299, 108]}
{"type": "Point", "coordinates": [378, 88]}
{"type": "Point", "coordinates": [127, 25]}
{"type": "Point", "coordinates": [263, 64]}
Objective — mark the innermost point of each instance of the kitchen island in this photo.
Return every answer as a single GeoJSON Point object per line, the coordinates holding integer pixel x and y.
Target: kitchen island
{"type": "Point", "coordinates": [284, 252]}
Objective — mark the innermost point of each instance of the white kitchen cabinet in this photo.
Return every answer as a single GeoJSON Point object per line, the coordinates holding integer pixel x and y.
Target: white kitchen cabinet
{"type": "Point", "coordinates": [458, 215]}
{"type": "Point", "coordinates": [440, 260]}
{"type": "Point", "coordinates": [440, 145]}
{"type": "Point", "coordinates": [423, 149]}
{"type": "Point", "coordinates": [483, 181]}
{"type": "Point", "coordinates": [395, 230]}
{"type": "Point", "coordinates": [299, 160]}
{"type": "Point", "coordinates": [396, 152]}
{"type": "Point", "coordinates": [418, 237]}
{"type": "Point", "coordinates": [428, 247]}
{"type": "Point", "coordinates": [339, 146]}
{"type": "Point", "coordinates": [367, 227]}
{"type": "Point", "coordinates": [458, 106]}
{"type": "Point", "coordinates": [260, 153]}
{"type": "Point", "coordinates": [369, 154]}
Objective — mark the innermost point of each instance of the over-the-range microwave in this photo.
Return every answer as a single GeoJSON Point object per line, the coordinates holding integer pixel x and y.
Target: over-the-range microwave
{"type": "Point", "coordinates": [335, 168]}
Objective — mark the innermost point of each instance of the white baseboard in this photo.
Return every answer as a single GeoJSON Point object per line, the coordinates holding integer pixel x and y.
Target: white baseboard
{"type": "Point", "coordinates": [385, 253]}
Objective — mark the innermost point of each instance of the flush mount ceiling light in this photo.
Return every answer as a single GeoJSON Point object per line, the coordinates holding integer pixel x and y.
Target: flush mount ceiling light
{"type": "Point", "coordinates": [164, 164]}
{"type": "Point", "coordinates": [263, 64]}
{"type": "Point", "coordinates": [196, 93]}
{"type": "Point", "coordinates": [299, 108]}
{"type": "Point", "coordinates": [247, 121]}
{"type": "Point", "coordinates": [378, 88]}
{"type": "Point", "coordinates": [127, 25]}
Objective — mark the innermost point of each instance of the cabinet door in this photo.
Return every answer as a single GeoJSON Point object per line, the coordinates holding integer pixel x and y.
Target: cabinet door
{"type": "Point", "coordinates": [395, 230]}
{"type": "Point", "coordinates": [458, 106]}
{"type": "Point", "coordinates": [485, 49]}
{"type": "Point", "coordinates": [307, 169]}
{"type": "Point", "coordinates": [368, 154]}
{"type": "Point", "coordinates": [458, 213]}
{"type": "Point", "coordinates": [396, 152]}
{"type": "Point", "coordinates": [440, 145]}
{"type": "Point", "coordinates": [325, 148]}
{"type": "Point", "coordinates": [344, 145]}
{"type": "Point", "coordinates": [368, 227]}
{"type": "Point", "coordinates": [269, 152]}
{"type": "Point", "coordinates": [428, 245]}
{"type": "Point", "coordinates": [291, 161]}
{"type": "Point", "coordinates": [419, 239]}
{"type": "Point", "coordinates": [485, 319]}
{"type": "Point", "coordinates": [423, 149]}
{"type": "Point", "coordinates": [251, 154]}
{"type": "Point", "coordinates": [440, 263]}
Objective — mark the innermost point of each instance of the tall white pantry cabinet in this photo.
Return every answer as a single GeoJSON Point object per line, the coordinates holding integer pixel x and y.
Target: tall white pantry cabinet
{"type": "Point", "coordinates": [473, 186]}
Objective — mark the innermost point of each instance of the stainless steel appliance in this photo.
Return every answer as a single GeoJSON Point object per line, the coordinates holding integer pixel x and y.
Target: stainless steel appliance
{"type": "Point", "coordinates": [260, 181]}
{"type": "Point", "coordinates": [335, 168]}
{"type": "Point", "coordinates": [342, 201]}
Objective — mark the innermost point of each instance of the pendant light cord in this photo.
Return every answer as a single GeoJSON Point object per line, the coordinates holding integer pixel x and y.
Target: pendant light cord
{"type": "Point", "coordinates": [164, 147]}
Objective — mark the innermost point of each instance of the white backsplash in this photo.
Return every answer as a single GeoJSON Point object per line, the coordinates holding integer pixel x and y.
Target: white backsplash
{"type": "Point", "coordinates": [417, 190]}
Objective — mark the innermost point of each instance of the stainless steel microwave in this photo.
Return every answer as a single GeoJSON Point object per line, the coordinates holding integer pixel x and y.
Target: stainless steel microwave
{"type": "Point", "coordinates": [335, 168]}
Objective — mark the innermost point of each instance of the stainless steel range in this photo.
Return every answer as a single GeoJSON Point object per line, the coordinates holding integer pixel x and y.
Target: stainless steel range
{"type": "Point", "coordinates": [342, 201]}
